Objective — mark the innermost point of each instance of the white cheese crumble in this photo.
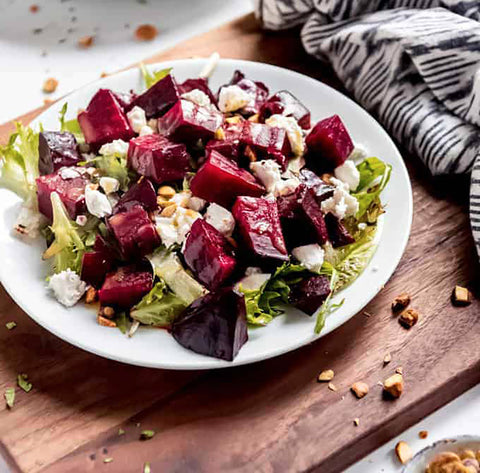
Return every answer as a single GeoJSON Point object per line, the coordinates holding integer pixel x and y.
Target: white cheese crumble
{"type": "Point", "coordinates": [268, 172]}
{"type": "Point", "coordinates": [109, 184]}
{"type": "Point", "coordinates": [349, 174]}
{"type": "Point", "coordinates": [117, 148]}
{"type": "Point", "coordinates": [294, 132]}
{"type": "Point", "coordinates": [358, 154]}
{"type": "Point", "coordinates": [196, 203]}
{"type": "Point", "coordinates": [232, 98]}
{"type": "Point", "coordinates": [146, 130]}
{"type": "Point", "coordinates": [29, 222]}
{"type": "Point", "coordinates": [197, 96]}
{"type": "Point", "coordinates": [362, 226]}
{"type": "Point", "coordinates": [69, 173]}
{"type": "Point", "coordinates": [253, 279]}
{"type": "Point", "coordinates": [137, 119]}
{"type": "Point", "coordinates": [310, 256]}
{"type": "Point", "coordinates": [341, 204]}
{"type": "Point", "coordinates": [81, 220]}
{"type": "Point", "coordinates": [67, 287]}
{"type": "Point", "coordinates": [220, 218]}
{"type": "Point", "coordinates": [174, 229]}
{"type": "Point", "coordinates": [96, 202]}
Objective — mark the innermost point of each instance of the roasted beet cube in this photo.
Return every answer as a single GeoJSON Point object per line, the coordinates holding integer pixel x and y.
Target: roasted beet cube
{"type": "Point", "coordinates": [158, 158]}
{"type": "Point", "coordinates": [125, 287]}
{"type": "Point", "coordinates": [230, 145]}
{"type": "Point", "coordinates": [55, 150]}
{"type": "Point", "coordinates": [259, 227]}
{"type": "Point", "coordinates": [208, 254]}
{"type": "Point", "coordinates": [310, 294]}
{"type": "Point", "coordinates": [328, 144]}
{"type": "Point", "coordinates": [284, 103]}
{"type": "Point", "coordinates": [321, 189]}
{"type": "Point", "coordinates": [125, 99]}
{"type": "Point", "coordinates": [314, 216]}
{"type": "Point", "coordinates": [104, 120]}
{"type": "Point", "coordinates": [187, 122]}
{"type": "Point", "coordinates": [159, 98]}
{"type": "Point", "coordinates": [71, 192]}
{"type": "Point", "coordinates": [214, 325]}
{"type": "Point", "coordinates": [134, 231]}
{"type": "Point", "coordinates": [220, 180]}
{"type": "Point", "coordinates": [200, 84]}
{"type": "Point", "coordinates": [337, 233]}
{"type": "Point", "coordinates": [141, 193]}
{"type": "Point", "coordinates": [95, 266]}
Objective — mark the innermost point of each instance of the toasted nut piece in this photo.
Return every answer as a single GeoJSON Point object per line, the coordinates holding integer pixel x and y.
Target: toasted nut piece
{"type": "Point", "coordinates": [461, 296]}
{"type": "Point", "coordinates": [478, 456]}
{"type": "Point", "coordinates": [107, 312]}
{"type": "Point", "coordinates": [33, 8]}
{"type": "Point", "coordinates": [387, 358]}
{"type": "Point", "coordinates": [408, 318]}
{"type": "Point", "coordinates": [423, 434]}
{"type": "Point", "coordinates": [166, 191]}
{"type": "Point", "coordinates": [394, 385]}
{"type": "Point", "coordinates": [162, 202]}
{"type": "Point", "coordinates": [146, 32]}
{"type": "Point", "coordinates": [332, 387]}
{"type": "Point", "coordinates": [399, 370]}
{"type": "Point", "coordinates": [220, 134]}
{"type": "Point", "coordinates": [104, 74]}
{"type": "Point", "coordinates": [326, 177]}
{"type": "Point", "coordinates": [250, 154]}
{"type": "Point", "coordinates": [233, 120]}
{"type": "Point", "coordinates": [326, 375]}
{"type": "Point", "coordinates": [403, 452]}
{"type": "Point", "coordinates": [86, 42]}
{"type": "Point", "coordinates": [254, 118]}
{"type": "Point", "coordinates": [50, 85]}
{"type": "Point", "coordinates": [104, 322]}
{"type": "Point", "coordinates": [444, 459]}
{"type": "Point", "coordinates": [47, 101]}
{"type": "Point", "coordinates": [360, 389]}
{"type": "Point", "coordinates": [169, 211]}
{"type": "Point", "coordinates": [467, 454]}
{"type": "Point", "coordinates": [400, 302]}
{"type": "Point", "coordinates": [356, 422]}
{"type": "Point", "coordinates": [91, 296]}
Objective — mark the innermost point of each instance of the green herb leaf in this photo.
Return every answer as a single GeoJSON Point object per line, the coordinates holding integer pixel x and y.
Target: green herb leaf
{"type": "Point", "coordinates": [22, 381]}
{"type": "Point", "coordinates": [146, 468]}
{"type": "Point", "coordinates": [70, 125]}
{"type": "Point", "coordinates": [10, 325]}
{"type": "Point", "coordinates": [147, 434]}
{"type": "Point", "coordinates": [10, 397]}
{"type": "Point", "coordinates": [122, 321]}
{"type": "Point", "coordinates": [151, 78]}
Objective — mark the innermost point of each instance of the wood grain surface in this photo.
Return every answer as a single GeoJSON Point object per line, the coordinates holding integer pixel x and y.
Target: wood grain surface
{"type": "Point", "coordinates": [271, 416]}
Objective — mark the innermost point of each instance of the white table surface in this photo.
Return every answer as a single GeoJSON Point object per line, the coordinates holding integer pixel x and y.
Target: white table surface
{"type": "Point", "coordinates": [28, 58]}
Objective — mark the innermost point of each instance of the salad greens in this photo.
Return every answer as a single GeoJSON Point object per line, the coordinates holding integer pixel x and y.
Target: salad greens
{"type": "Point", "coordinates": [10, 397]}
{"type": "Point", "coordinates": [152, 78]}
{"type": "Point", "coordinates": [70, 125]}
{"type": "Point", "coordinates": [113, 165]}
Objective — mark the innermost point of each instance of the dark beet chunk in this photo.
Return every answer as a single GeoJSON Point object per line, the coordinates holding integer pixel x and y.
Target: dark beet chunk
{"type": "Point", "coordinates": [328, 144]}
{"type": "Point", "coordinates": [187, 122]}
{"type": "Point", "coordinates": [220, 180]}
{"type": "Point", "coordinates": [209, 255]}
{"type": "Point", "coordinates": [158, 158]}
{"type": "Point", "coordinates": [313, 214]}
{"type": "Point", "coordinates": [337, 233]}
{"type": "Point", "coordinates": [141, 193]}
{"type": "Point", "coordinates": [310, 294]}
{"type": "Point", "coordinates": [200, 84]}
{"type": "Point", "coordinates": [104, 120]}
{"type": "Point", "coordinates": [125, 99]}
{"type": "Point", "coordinates": [214, 325]}
{"type": "Point", "coordinates": [159, 98]}
{"type": "Point", "coordinates": [70, 191]}
{"type": "Point", "coordinates": [134, 232]}
{"type": "Point", "coordinates": [55, 150]}
{"type": "Point", "coordinates": [95, 266]}
{"type": "Point", "coordinates": [230, 145]}
{"type": "Point", "coordinates": [125, 287]}
{"type": "Point", "coordinates": [321, 189]}
{"type": "Point", "coordinates": [285, 103]}
{"type": "Point", "coordinates": [259, 227]}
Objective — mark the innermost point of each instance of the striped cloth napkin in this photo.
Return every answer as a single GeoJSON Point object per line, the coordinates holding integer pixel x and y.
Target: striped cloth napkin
{"type": "Point", "coordinates": [415, 64]}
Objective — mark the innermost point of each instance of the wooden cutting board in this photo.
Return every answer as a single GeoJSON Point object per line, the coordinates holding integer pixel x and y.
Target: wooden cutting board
{"type": "Point", "coordinates": [271, 416]}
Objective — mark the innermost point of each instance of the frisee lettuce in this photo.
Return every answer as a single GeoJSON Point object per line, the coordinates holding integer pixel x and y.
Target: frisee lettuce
{"type": "Point", "coordinates": [70, 125]}
{"type": "Point", "coordinates": [153, 77]}
{"type": "Point", "coordinates": [113, 166]}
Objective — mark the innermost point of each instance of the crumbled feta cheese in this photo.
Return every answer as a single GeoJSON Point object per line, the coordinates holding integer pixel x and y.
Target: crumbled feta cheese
{"type": "Point", "coordinates": [253, 281]}
{"type": "Point", "coordinates": [136, 118]}
{"type": "Point", "coordinates": [269, 174]}
{"type": "Point", "coordinates": [113, 199]}
{"type": "Point", "coordinates": [196, 203]}
{"type": "Point", "coordinates": [310, 256]}
{"type": "Point", "coordinates": [358, 154]}
{"type": "Point", "coordinates": [349, 174]}
{"type": "Point", "coordinates": [88, 156]}
{"type": "Point", "coordinates": [181, 198]}
{"type": "Point", "coordinates": [167, 230]}
{"type": "Point", "coordinates": [117, 148]}
{"type": "Point", "coordinates": [174, 229]}
{"type": "Point", "coordinates": [252, 270]}
{"type": "Point", "coordinates": [294, 132]}
{"type": "Point", "coordinates": [220, 218]}
{"type": "Point", "coordinates": [197, 96]}
{"type": "Point", "coordinates": [29, 222]}
{"type": "Point", "coordinates": [67, 287]}
{"type": "Point", "coordinates": [81, 220]}
{"type": "Point", "coordinates": [69, 173]}
{"type": "Point", "coordinates": [232, 98]}
{"type": "Point", "coordinates": [96, 202]}
{"type": "Point", "coordinates": [146, 130]}
{"type": "Point", "coordinates": [286, 187]}
{"type": "Point", "coordinates": [109, 184]}
{"type": "Point", "coordinates": [341, 204]}
{"type": "Point", "coordinates": [362, 226]}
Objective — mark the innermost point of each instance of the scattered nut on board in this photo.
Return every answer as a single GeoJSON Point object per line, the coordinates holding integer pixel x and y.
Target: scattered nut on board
{"type": "Point", "coordinates": [399, 370]}
{"type": "Point", "coordinates": [146, 32]}
{"type": "Point", "coordinates": [33, 8]}
{"type": "Point", "coordinates": [423, 434]}
{"type": "Point", "coordinates": [325, 376]}
{"type": "Point", "coordinates": [105, 322]}
{"type": "Point", "coordinates": [91, 295]}
{"type": "Point", "coordinates": [50, 85]}
{"type": "Point", "coordinates": [400, 302]}
{"type": "Point", "coordinates": [461, 296]}
{"type": "Point", "coordinates": [86, 41]}
{"type": "Point", "coordinates": [403, 452]}
{"type": "Point", "coordinates": [394, 385]}
{"type": "Point", "coordinates": [332, 387]}
{"type": "Point", "coordinates": [360, 389]}
{"type": "Point", "coordinates": [356, 422]}
{"type": "Point", "coordinates": [408, 318]}
{"type": "Point", "coordinates": [387, 358]}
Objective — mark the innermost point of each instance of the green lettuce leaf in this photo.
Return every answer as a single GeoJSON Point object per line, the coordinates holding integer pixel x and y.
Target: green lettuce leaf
{"type": "Point", "coordinates": [152, 78]}
{"type": "Point", "coordinates": [22, 381]}
{"type": "Point", "coordinates": [70, 125]}
{"type": "Point", "coordinates": [113, 166]}
{"type": "Point", "coordinates": [328, 307]}
{"type": "Point", "coordinates": [10, 397]}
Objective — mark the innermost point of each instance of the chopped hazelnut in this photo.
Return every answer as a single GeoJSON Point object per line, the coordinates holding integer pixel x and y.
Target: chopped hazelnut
{"type": "Point", "coordinates": [233, 120]}
{"type": "Point", "coordinates": [220, 134]}
{"type": "Point", "coordinates": [250, 154]}
{"type": "Point", "coordinates": [399, 370]}
{"type": "Point", "coordinates": [408, 318]}
{"type": "Point", "coordinates": [104, 322]}
{"type": "Point", "coordinates": [146, 32]}
{"type": "Point", "coordinates": [50, 85]}
{"type": "Point", "coordinates": [162, 202]}
{"type": "Point", "coordinates": [403, 452]}
{"type": "Point", "coordinates": [326, 375]}
{"type": "Point", "coordinates": [254, 118]}
{"type": "Point", "coordinates": [423, 434]}
{"type": "Point", "coordinates": [461, 296]}
{"type": "Point", "coordinates": [360, 389]}
{"type": "Point", "coordinates": [394, 385]}
{"type": "Point", "coordinates": [166, 191]}
{"type": "Point", "coordinates": [91, 296]}
{"type": "Point", "coordinates": [33, 8]}
{"type": "Point", "coordinates": [467, 454]}
{"type": "Point", "coordinates": [103, 74]}
{"type": "Point", "coordinates": [332, 387]}
{"type": "Point", "coordinates": [86, 41]}
{"type": "Point", "coordinates": [107, 312]}
{"type": "Point", "coordinates": [326, 178]}
{"type": "Point", "coordinates": [400, 302]}
{"type": "Point", "coordinates": [356, 422]}
{"type": "Point", "coordinates": [169, 211]}
{"type": "Point", "coordinates": [387, 358]}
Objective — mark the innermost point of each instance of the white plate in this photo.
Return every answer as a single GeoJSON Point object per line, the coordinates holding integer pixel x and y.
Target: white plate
{"type": "Point", "coordinates": [23, 273]}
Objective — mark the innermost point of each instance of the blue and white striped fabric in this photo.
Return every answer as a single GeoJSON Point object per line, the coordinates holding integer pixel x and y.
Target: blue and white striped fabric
{"type": "Point", "coordinates": [415, 64]}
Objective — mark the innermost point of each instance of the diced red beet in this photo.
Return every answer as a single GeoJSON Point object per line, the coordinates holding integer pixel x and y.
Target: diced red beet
{"type": "Point", "coordinates": [187, 122]}
{"type": "Point", "coordinates": [55, 150]}
{"type": "Point", "coordinates": [230, 145]}
{"type": "Point", "coordinates": [321, 189]}
{"type": "Point", "coordinates": [328, 144]}
{"type": "Point", "coordinates": [209, 255]}
{"type": "Point", "coordinates": [284, 103]}
{"type": "Point", "coordinates": [200, 84]}
{"type": "Point", "coordinates": [313, 214]}
{"type": "Point", "coordinates": [310, 294]}
{"type": "Point", "coordinates": [214, 325]}
{"type": "Point", "coordinates": [159, 98]}
{"type": "Point", "coordinates": [259, 227]}
{"type": "Point", "coordinates": [135, 233]}
{"type": "Point", "coordinates": [158, 158]}
{"type": "Point", "coordinates": [70, 191]}
{"type": "Point", "coordinates": [125, 99]}
{"type": "Point", "coordinates": [95, 266]}
{"type": "Point", "coordinates": [104, 120]}
{"type": "Point", "coordinates": [337, 233]}
{"type": "Point", "coordinates": [125, 287]}
{"type": "Point", "coordinates": [220, 180]}
{"type": "Point", "coordinates": [141, 193]}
